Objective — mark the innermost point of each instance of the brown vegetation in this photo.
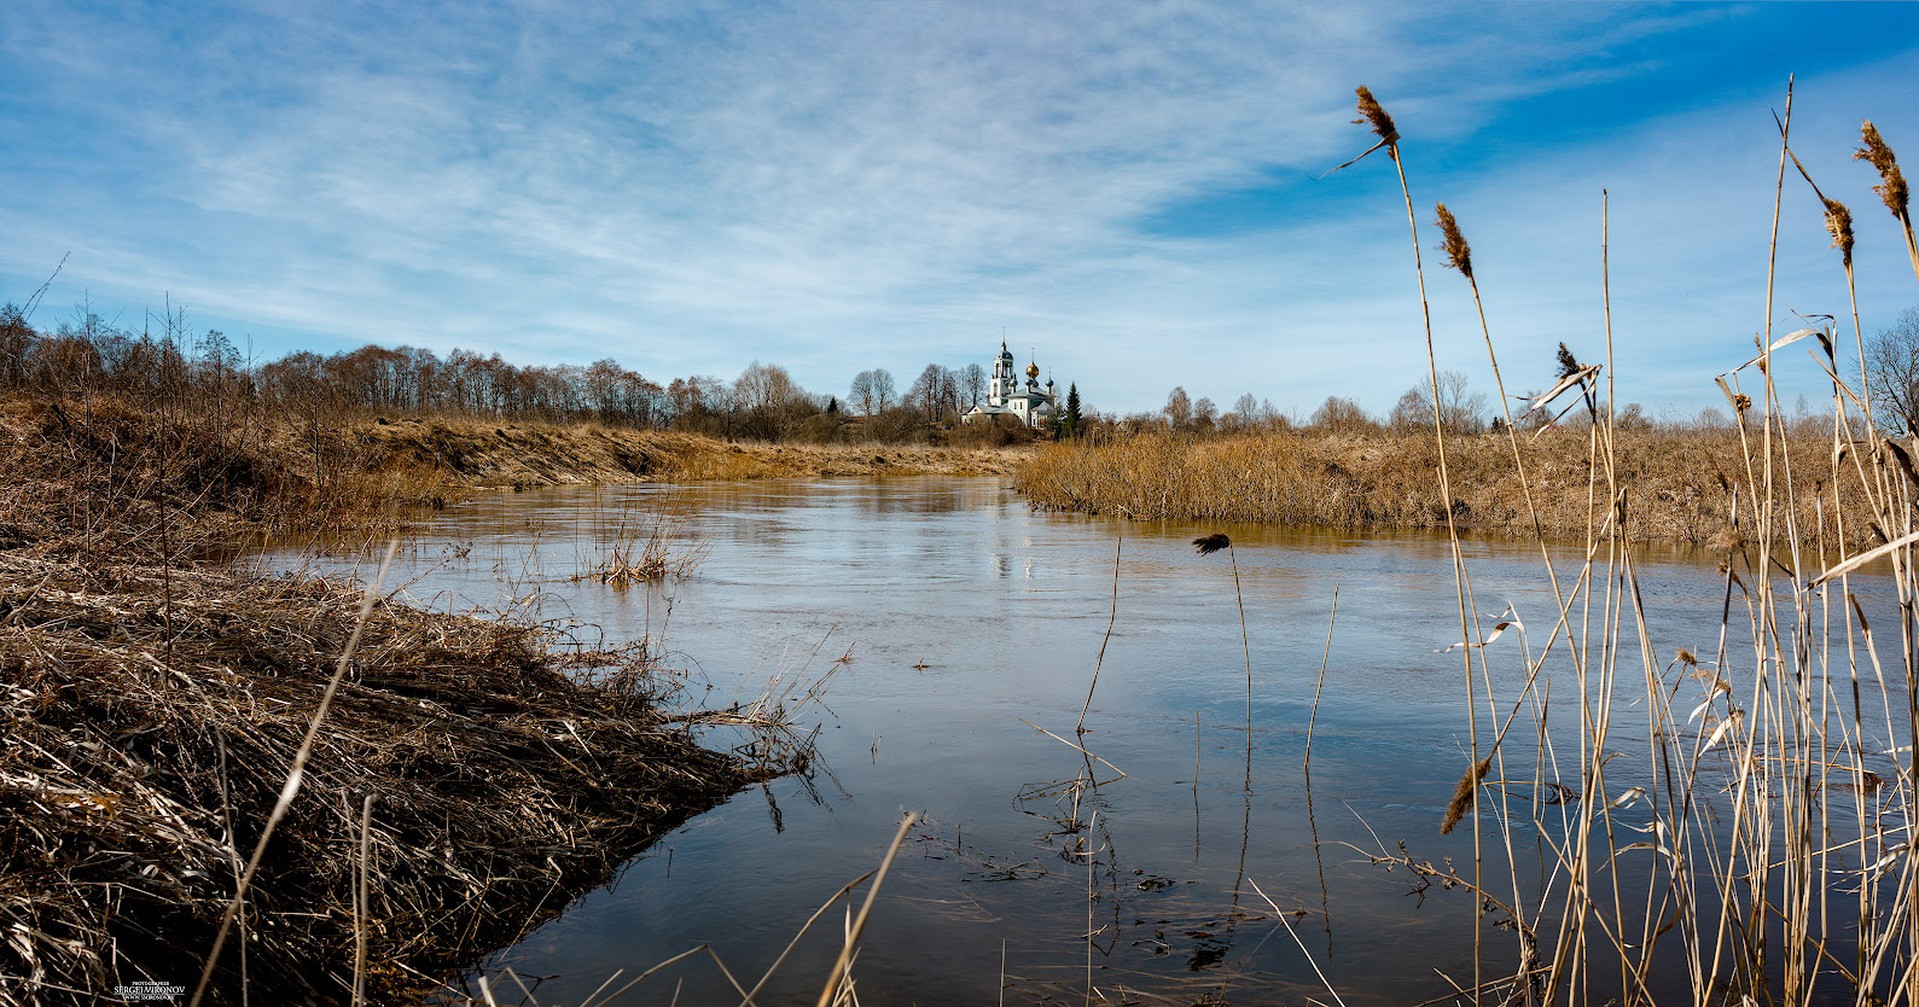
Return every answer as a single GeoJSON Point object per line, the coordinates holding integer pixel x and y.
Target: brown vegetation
{"type": "Point", "coordinates": [151, 726]}
{"type": "Point", "coordinates": [1731, 824]}
{"type": "Point", "coordinates": [155, 705]}
{"type": "Point", "coordinates": [1679, 484]}
{"type": "Point", "coordinates": [472, 453]}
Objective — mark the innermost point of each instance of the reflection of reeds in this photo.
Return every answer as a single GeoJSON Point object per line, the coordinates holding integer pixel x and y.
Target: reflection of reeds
{"type": "Point", "coordinates": [1111, 615]}
{"type": "Point", "coordinates": [839, 988]}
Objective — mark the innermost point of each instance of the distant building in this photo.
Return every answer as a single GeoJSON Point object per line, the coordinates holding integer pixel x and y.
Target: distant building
{"type": "Point", "coordinates": [1033, 406]}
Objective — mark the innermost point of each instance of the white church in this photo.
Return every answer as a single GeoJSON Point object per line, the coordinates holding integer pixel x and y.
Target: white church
{"type": "Point", "coordinates": [1033, 406]}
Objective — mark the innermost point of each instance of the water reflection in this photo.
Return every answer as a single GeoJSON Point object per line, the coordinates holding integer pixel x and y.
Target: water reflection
{"type": "Point", "coordinates": [963, 632]}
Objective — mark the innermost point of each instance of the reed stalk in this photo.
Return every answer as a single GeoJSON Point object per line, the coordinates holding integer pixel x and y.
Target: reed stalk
{"type": "Point", "coordinates": [1112, 615]}
{"type": "Point", "coordinates": [1210, 544]}
{"type": "Point", "coordinates": [1743, 821]}
{"type": "Point", "coordinates": [1383, 126]}
{"type": "Point", "coordinates": [837, 975]}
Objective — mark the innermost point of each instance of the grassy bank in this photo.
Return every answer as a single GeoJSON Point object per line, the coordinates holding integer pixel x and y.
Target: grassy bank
{"type": "Point", "coordinates": [157, 702]}
{"type": "Point", "coordinates": [474, 453]}
{"type": "Point", "coordinates": [1679, 485]}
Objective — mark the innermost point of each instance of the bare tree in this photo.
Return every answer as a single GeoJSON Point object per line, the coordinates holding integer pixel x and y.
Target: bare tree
{"type": "Point", "coordinates": [1245, 414]}
{"type": "Point", "coordinates": [765, 387]}
{"type": "Point", "coordinates": [1892, 372]}
{"type": "Point", "coordinates": [1205, 414]}
{"type": "Point", "coordinates": [1413, 411]}
{"type": "Point", "coordinates": [1461, 410]}
{"type": "Point", "coordinates": [862, 395]}
{"type": "Point", "coordinates": [1178, 408]}
{"type": "Point", "coordinates": [1340, 415]}
{"type": "Point", "coordinates": [972, 380]}
{"type": "Point", "coordinates": [935, 393]}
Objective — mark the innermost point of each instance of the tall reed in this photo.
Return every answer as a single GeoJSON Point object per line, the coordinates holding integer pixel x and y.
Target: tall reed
{"type": "Point", "coordinates": [1736, 852]}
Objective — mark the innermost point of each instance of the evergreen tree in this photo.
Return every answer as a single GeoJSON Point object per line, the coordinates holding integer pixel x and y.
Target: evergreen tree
{"type": "Point", "coordinates": [1070, 419]}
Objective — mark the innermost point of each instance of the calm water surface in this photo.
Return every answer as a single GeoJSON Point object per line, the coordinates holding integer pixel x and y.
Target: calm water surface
{"type": "Point", "coordinates": [950, 617]}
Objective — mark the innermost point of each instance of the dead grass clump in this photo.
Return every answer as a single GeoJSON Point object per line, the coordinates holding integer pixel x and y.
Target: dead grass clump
{"type": "Point", "coordinates": [148, 740]}
{"type": "Point", "coordinates": [119, 483]}
{"type": "Point", "coordinates": [641, 551]}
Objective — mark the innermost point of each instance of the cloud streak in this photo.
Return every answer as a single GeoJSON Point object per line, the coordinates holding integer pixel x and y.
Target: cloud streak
{"type": "Point", "coordinates": [837, 187]}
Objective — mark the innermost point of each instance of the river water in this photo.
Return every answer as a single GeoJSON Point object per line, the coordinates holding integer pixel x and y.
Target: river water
{"type": "Point", "coordinates": [954, 627]}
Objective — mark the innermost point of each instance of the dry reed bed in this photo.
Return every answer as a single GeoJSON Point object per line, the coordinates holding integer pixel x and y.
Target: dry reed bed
{"type": "Point", "coordinates": [150, 728]}
{"type": "Point", "coordinates": [154, 705]}
{"type": "Point", "coordinates": [473, 453]}
{"type": "Point", "coordinates": [1679, 484]}
{"type": "Point", "coordinates": [116, 480]}
{"type": "Point", "coordinates": [1733, 825]}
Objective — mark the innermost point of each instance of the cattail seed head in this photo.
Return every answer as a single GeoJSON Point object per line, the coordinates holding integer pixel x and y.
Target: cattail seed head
{"type": "Point", "coordinates": [1892, 187]}
{"type": "Point", "coordinates": [1459, 255]}
{"type": "Point", "coordinates": [1839, 225]}
{"type": "Point", "coordinates": [1568, 364]}
{"type": "Point", "coordinates": [1464, 793]}
{"type": "Point", "coordinates": [1375, 116]}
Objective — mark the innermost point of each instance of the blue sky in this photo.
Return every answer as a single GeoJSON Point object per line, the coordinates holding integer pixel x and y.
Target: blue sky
{"type": "Point", "coordinates": [1136, 192]}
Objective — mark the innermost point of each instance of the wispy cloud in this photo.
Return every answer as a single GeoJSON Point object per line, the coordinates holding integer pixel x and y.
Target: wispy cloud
{"type": "Point", "coordinates": [837, 187]}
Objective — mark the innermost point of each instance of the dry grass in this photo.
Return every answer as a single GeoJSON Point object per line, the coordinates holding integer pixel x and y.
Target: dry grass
{"type": "Point", "coordinates": [1679, 484]}
{"type": "Point", "coordinates": [472, 453]}
{"type": "Point", "coordinates": [116, 483]}
{"type": "Point", "coordinates": [155, 704]}
{"type": "Point", "coordinates": [146, 745]}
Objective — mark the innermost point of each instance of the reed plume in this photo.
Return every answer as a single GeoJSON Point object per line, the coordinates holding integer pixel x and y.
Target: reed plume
{"type": "Point", "coordinates": [1892, 186]}
{"type": "Point", "coordinates": [1459, 255]}
{"type": "Point", "coordinates": [1568, 364]}
{"type": "Point", "coordinates": [1838, 218]}
{"type": "Point", "coordinates": [1839, 225]}
{"type": "Point", "coordinates": [1463, 794]}
{"type": "Point", "coordinates": [1373, 115]}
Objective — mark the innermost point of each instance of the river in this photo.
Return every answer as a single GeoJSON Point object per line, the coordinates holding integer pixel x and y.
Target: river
{"type": "Point", "coordinates": [954, 628]}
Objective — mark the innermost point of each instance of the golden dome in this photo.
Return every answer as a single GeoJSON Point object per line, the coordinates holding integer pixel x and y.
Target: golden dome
{"type": "Point", "coordinates": [1032, 370]}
